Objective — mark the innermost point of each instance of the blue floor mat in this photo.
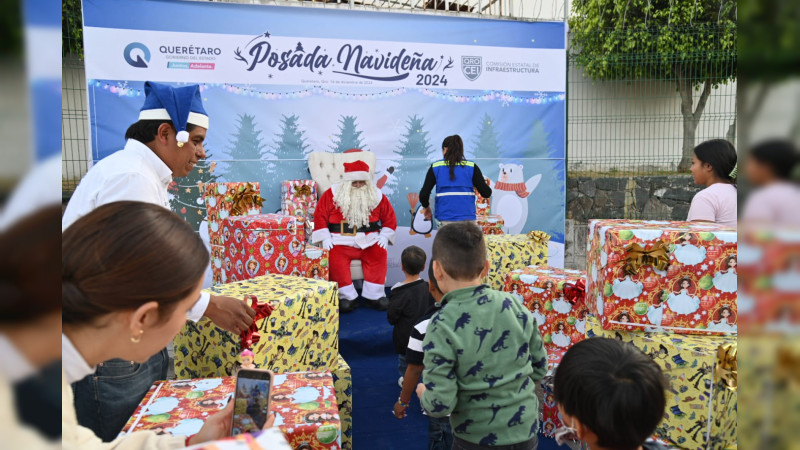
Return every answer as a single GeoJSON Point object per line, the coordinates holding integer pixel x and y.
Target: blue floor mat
{"type": "Point", "coordinates": [365, 342]}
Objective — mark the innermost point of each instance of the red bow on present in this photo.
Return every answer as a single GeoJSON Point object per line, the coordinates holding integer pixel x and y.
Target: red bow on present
{"type": "Point", "coordinates": [575, 293]}
{"type": "Point", "coordinates": [251, 336]}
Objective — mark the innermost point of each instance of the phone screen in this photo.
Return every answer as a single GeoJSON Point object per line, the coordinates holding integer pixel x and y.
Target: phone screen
{"type": "Point", "coordinates": [251, 401]}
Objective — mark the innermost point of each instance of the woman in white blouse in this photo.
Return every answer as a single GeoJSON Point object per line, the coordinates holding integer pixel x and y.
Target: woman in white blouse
{"type": "Point", "coordinates": [130, 272]}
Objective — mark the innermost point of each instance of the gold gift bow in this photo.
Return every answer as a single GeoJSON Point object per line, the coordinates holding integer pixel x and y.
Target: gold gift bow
{"type": "Point", "coordinates": [539, 236]}
{"type": "Point", "coordinates": [303, 189]}
{"type": "Point", "coordinates": [727, 370]}
{"type": "Point", "coordinates": [637, 256]}
{"type": "Point", "coordinates": [245, 200]}
{"type": "Point", "coordinates": [788, 366]}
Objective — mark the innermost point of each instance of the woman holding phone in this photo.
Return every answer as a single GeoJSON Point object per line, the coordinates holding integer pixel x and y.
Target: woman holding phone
{"type": "Point", "coordinates": [130, 272]}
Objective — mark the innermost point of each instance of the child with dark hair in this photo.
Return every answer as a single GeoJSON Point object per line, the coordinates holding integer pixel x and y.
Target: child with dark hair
{"type": "Point", "coordinates": [610, 395]}
{"type": "Point", "coordinates": [440, 436]}
{"type": "Point", "coordinates": [714, 166]}
{"type": "Point", "coordinates": [483, 353]}
{"type": "Point", "coordinates": [408, 301]}
{"type": "Point", "coordinates": [770, 169]}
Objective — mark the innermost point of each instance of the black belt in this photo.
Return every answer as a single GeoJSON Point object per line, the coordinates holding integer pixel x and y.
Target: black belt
{"type": "Point", "coordinates": [345, 229]}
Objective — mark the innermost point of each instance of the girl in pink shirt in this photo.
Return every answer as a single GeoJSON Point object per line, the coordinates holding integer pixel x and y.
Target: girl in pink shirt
{"type": "Point", "coordinates": [714, 166]}
{"type": "Point", "coordinates": [776, 197]}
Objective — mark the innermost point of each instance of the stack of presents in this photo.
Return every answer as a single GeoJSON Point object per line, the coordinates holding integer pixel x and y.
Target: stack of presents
{"type": "Point", "coordinates": [668, 288]}
{"type": "Point", "coordinates": [267, 260]}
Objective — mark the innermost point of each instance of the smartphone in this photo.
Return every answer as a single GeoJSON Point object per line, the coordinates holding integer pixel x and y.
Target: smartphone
{"type": "Point", "coordinates": [251, 400]}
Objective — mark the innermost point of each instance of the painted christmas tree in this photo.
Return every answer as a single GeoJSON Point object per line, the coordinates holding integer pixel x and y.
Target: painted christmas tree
{"type": "Point", "coordinates": [539, 145]}
{"type": "Point", "coordinates": [416, 153]}
{"type": "Point", "coordinates": [349, 136]}
{"type": "Point", "coordinates": [247, 152]}
{"type": "Point", "coordinates": [290, 143]}
{"type": "Point", "coordinates": [187, 193]}
{"type": "Point", "coordinates": [485, 145]}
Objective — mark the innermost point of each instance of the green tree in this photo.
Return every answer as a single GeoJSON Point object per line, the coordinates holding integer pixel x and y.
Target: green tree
{"type": "Point", "coordinates": [349, 136]}
{"type": "Point", "coordinates": [485, 142]}
{"type": "Point", "coordinates": [539, 144]}
{"type": "Point", "coordinates": [414, 155]}
{"type": "Point", "coordinates": [247, 151]}
{"type": "Point", "coordinates": [290, 143]}
{"type": "Point", "coordinates": [187, 192]}
{"type": "Point", "coordinates": [689, 42]}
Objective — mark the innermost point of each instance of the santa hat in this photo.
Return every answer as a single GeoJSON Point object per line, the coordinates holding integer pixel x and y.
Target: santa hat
{"type": "Point", "coordinates": [181, 105]}
{"type": "Point", "coordinates": [356, 171]}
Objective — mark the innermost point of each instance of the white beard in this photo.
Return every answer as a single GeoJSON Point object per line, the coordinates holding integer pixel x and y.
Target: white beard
{"type": "Point", "coordinates": [356, 204]}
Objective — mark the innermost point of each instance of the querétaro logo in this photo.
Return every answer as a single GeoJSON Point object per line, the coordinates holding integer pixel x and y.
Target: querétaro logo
{"type": "Point", "coordinates": [142, 51]}
{"type": "Point", "coordinates": [471, 67]}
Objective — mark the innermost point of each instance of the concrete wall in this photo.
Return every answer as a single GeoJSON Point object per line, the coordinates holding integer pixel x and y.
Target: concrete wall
{"type": "Point", "coordinates": [655, 197]}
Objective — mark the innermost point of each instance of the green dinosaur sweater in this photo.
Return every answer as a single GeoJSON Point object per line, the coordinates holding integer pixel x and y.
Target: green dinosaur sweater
{"type": "Point", "coordinates": [483, 357]}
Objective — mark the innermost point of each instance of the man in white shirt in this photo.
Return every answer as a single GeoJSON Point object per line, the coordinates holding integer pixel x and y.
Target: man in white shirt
{"type": "Point", "coordinates": [166, 142]}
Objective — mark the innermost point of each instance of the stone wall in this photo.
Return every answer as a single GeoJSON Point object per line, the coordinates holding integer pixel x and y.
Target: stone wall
{"type": "Point", "coordinates": [664, 197]}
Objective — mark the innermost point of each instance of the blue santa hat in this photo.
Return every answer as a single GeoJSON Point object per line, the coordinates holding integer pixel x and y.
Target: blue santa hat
{"type": "Point", "coordinates": [181, 105]}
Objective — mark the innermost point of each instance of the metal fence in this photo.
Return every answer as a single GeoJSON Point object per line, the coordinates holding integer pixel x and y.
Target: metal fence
{"type": "Point", "coordinates": [74, 114]}
{"type": "Point", "coordinates": [634, 124]}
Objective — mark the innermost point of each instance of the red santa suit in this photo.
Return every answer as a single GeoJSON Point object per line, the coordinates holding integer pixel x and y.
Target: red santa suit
{"type": "Point", "coordinates": [361, 244]}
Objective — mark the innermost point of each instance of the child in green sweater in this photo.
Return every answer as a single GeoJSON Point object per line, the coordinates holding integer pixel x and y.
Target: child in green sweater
{"type": "Point", "coordinates": [483, 351]}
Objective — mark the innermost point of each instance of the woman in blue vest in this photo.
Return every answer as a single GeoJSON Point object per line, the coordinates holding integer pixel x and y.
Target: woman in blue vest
{"type": "Point", "coordinates": [454, 178]}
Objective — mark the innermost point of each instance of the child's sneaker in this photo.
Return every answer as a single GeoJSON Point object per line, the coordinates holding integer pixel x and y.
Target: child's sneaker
{"type": "Point", "coordinates": [400, 382]}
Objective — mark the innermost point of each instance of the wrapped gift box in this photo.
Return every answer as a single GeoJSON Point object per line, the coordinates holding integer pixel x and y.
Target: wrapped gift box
{"type": "Point", "coordinates": [219, 199]}
{"type": "Point", "coordinates": [509, 252]}
{"type": "Point", "coordinates": [701, 400]}
{"type": "Point", "coordinates": [302, 333]}
{"type": "Point", "coordinates": [299, 199]}
{"type": "Point", "coordinates": [304, 404]}
{"type": "Point", "coordinates": [262, 244]}
{"type": "Point", "coordinates": [306, 411]}
{"type": "Point", "coordinates": [654, 275]}
{"type": "Point", "coordinates": [315, 263]}
{"type": "Point", "coordinates": [556, 299]}
{"type": "Point", "coordinates": [179, 407]}
{"type": "Point", "coordinates": [549, 417]}
{"type": "Point", "coordinates": [343, 384]}
{"type": "Point", "coordinates": [491, 224]}
{"type": "Point", "coordinates": [271, 438]}
{"type": "Point", "coordinates": [483, 205]}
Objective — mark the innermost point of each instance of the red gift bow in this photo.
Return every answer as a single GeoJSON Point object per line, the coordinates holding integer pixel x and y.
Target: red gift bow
{"type": "Point", "coordinates": [575, 292]}
{"type": "Point", "coordinates": [251, 336]}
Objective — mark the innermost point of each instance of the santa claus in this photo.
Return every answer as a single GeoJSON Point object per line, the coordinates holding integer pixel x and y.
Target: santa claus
{"type": "Point", "coordinates": [354, 220]}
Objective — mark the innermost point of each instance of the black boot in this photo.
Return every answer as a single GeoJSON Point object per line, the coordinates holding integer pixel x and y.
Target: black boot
{"type": "Point", "coordinates": [381, 304]}
{"type": "Point", "coordinates": [346, 306]}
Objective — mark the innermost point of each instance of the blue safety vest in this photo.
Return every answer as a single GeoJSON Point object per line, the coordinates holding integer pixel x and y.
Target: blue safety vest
{"type": "Point", "coordinates": [455, 199]}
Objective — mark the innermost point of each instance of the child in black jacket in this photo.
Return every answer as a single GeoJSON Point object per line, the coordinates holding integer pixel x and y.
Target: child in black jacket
{"type": "Point", "coordinates": [408, 301]}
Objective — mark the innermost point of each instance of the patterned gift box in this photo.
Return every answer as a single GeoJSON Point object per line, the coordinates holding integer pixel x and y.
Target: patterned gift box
{"type": "Point", "coordinates": [343, 384]}
{"type": "Point", "coordinates": [315, 263]}
{"type": "Point", "coordinates": [304, 404]}
{"type": "Point", "coordinates": [672, 276]}
{"type": "Point", "coordinates": [301, 334]}
{"type": "Point", "coordinates": [483, 205]}
{"type": "Point", "coordinates": [179, 407]}
{"type": "Point", "coordinates": [299, 209]}
{"type": "Point", "coordinates": [261, 244]}
{"type": "Point", "coordinates": [508, 252]}
{"type": "Point", "coordinates": [542, 290]}
{"type": "Point", "coordinates": [219, 198]}
{"type": "Point", "coordinates": [491, 224]}
{"type": "Point", "coordinates": [304, 190]}
{"type": "Point", "coordinates": [701, 408]}
{"type": "Point", "coordinates": [305, 408]}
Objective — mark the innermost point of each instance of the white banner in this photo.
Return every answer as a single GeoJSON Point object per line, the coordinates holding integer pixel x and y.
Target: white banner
{"type": "Point", "coordinates": [133, 55]}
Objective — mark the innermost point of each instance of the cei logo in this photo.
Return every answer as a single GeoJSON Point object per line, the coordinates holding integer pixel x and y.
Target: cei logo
{"type": "Point", "coordinates": [143, 51]}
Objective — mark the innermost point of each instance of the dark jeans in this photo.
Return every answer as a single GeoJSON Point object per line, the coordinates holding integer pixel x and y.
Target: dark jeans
{"type": "Point", "coordinates": [105, 400]}
{"type": "Point", "coordinates": [460, 444]}
{"type": "Point", "coordinates": [440, 437]}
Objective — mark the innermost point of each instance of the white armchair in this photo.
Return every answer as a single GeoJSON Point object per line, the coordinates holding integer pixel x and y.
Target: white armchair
{"type": "Point", "coordinates": [327, 169]}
